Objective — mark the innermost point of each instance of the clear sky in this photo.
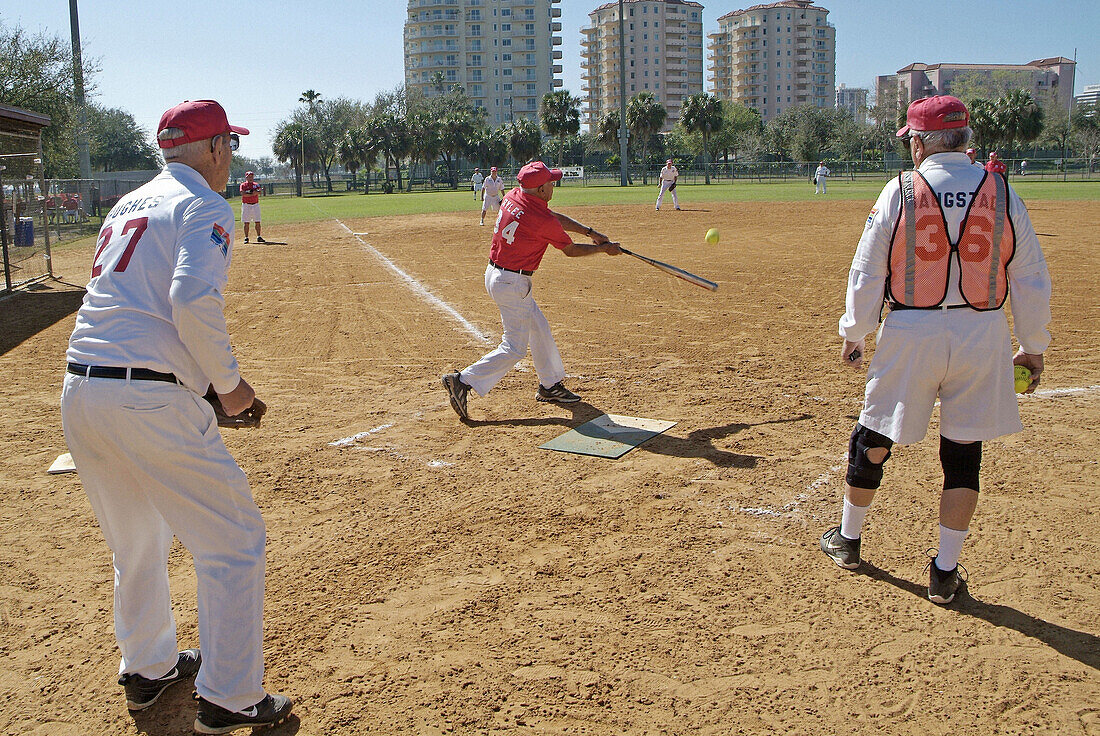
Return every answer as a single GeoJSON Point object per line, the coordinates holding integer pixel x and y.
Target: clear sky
{"type": "Point", "coordinates": [257, 58]}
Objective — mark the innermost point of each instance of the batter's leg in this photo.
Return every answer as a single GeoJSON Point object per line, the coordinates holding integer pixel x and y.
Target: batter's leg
{"type": "Point", "coordinates": [544, 351]}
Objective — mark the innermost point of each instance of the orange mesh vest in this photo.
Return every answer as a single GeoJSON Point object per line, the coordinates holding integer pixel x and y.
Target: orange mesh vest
{"type": "Point", "coordinates": [920, 252]}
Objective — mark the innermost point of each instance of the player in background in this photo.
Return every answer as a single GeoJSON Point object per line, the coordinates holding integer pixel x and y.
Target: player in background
{"type": "Point", "coordinates": [250, 205]}
{"type": "Point", "coordinates": [972, 154]}
{"type": "Point", "coordinates": [821, 178]}
{"type": "Point", "coordinates": [476, 180]}
{"type": "Point", "coordinates": [943, 244]}
{"type": "Point", "coordinates": [491, 191]}
{"type": "Point", "coordinates": [995, 165]}
{"type": "Point", "coordinates": [525, 228]}
{"type": "Point", "coordinates": [150, 338]}
{"type": "Point", "coordinates": [667, 181]}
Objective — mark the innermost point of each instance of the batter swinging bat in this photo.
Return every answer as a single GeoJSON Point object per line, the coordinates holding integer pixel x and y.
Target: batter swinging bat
{"type": "Point", "coordinates": [677, 272]}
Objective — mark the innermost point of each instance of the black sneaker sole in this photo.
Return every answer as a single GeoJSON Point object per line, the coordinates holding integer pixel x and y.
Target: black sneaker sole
{"type": "Point", "coordinates": [552, 400]}
{"type": "Point", "coordinates": [455, 403]}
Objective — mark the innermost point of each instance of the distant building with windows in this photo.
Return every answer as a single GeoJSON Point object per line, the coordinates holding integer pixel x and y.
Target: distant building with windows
{"type": "Point", "coordinates": [774, 56]}
{"type": "Point", "coordinates": [504, 53]}
{"type": "Point", "coordinates": [1049, 80]}
{"type": "Point", "coordinates": [1091, 95]}
{"type": "Point", "coordinates": [854, 101]}
{"type": "Point", "coordinates": [664, 55]}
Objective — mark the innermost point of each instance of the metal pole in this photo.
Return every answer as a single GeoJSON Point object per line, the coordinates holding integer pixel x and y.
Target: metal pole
{"type": "Point", "coordinates": [622, 99]}
{"type": "Point", "coordinates": [45, 217]}
{"type": "Point", "coordinates": [4, 233]}
{"type": "Point", "coordinates": [78, 94]}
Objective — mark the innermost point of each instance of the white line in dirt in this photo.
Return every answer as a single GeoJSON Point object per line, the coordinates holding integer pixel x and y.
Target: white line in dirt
{"type": "Point", "coordinates": [419, 288]}
{"type": "Point", "coordinates": [1054, 393]}
{"type": "Point", "coordinates": [347, 441]}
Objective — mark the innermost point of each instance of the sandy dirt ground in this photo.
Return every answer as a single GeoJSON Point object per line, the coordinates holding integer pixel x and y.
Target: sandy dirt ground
{"type": "Point", "coordinates": [435, 577]}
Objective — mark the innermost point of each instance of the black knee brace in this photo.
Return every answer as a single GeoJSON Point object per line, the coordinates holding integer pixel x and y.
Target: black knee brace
{"type": "Point", "coordinates": [961, 463]}
{"type": "Point", "coordinates": [862, 473]}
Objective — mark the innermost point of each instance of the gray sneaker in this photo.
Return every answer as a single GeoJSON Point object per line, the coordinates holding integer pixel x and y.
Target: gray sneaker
{"type": "Point", "coordinates": [943, 586]}
{"type": "Point", "coordinates": [456, 391]}
{"type": "Point", "coordinates": [841, 550]}
{"type": "Point", "coordinates": [141, 692]}
{"type": "Point", "coordinates": [558, 393]}
{"type": "Point", "coordinates": [272, 710]}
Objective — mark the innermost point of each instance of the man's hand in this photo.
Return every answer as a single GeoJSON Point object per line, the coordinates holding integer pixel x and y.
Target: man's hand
{"type": "Point", "coordinates": [599, 238]}
{"type": "Point", "coordinates": [851, 354]}
{"type": "Point", "coordinates": [238, 399]}
{"type": "Point", "coordinates": [611, 249]}
{"type": "Point", "coordinates": [1033, 363]}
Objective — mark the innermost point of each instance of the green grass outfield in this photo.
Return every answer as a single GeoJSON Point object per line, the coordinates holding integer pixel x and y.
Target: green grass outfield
{"type": "Point", "coordinates": [286, 209]}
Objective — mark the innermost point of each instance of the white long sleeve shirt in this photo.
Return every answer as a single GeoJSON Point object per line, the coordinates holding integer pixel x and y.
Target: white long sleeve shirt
{"type": "Point", "coordinates": [155, 297]}
{"type": "Point", "coordinates": [954, 179]}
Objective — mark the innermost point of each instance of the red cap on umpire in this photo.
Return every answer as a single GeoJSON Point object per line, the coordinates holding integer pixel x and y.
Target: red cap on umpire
{"type": "Point", "coordinates": [939, 112]}
{"type": "Point", "coordinates": [198, 120]}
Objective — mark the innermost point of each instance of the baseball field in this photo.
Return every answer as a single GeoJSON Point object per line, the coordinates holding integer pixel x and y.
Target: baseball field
{"type": "Point", "coordinates": [427, 576]}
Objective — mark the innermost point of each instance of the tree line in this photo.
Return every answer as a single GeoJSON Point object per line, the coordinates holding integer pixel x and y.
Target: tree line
{"type": "Point", "coordinates": [403, 129]}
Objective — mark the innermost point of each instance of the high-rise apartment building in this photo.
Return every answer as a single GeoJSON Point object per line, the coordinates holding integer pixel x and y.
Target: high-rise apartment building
{"type": "Point", "coordinates": [504, 53]}
{"type": "Point", "coordinates": [1090, 95]}
{"type": "Point", "coordinates": [1049, 80]}
{"type": "Point", "coordinates": [664, 55]}
{"type": "Point", "coordinates": [854, 101]}
{"type": "Point", "coordinates": [775, 56]}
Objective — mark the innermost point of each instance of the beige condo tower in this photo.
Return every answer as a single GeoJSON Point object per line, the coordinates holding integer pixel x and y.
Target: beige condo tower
{"type": "Point", "coordinates": [664, 55]}
{"type": "Point", "coordinates": [774, 56]}
{"type": "Point", "coordinates": [504, 53]}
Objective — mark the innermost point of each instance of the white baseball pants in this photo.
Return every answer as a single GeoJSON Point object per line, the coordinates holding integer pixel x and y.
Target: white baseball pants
{"type": "Point", "coordinates": [153, 465]}
{"type": "Point", "coordinates": [524, 326]}
{"type": "Point", "coordinates": [665, 184]}
{"type": "Point", "coordinates": [819, 186]}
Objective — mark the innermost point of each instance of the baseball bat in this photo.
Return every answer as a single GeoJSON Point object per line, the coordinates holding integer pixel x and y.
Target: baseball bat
{"type": "Point", "coordinates": [677, 272]}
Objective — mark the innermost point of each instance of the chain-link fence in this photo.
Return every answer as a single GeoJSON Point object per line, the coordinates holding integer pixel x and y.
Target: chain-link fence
{"type": "Point", "coordinates": [24, 236]}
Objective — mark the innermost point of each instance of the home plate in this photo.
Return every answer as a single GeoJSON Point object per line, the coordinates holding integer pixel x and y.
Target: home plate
{"type": "Point", "coordinates": [63, 464]}
{"type": "Point", "coordinates": [608, 435]}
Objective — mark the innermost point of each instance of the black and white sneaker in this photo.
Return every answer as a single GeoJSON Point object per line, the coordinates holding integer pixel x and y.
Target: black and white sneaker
{"type": "Point", "coordinates": [141, 692]}
{"type": "Point", "coordinates": [558, 393]}
{"type": "Point", "coordinates": [944, 586]}
{"type": "Point", "coordinates": [246, 240]}
{"type": "Point", "coordinates": [841, 550]}
{"type": "Point", "coordinates": [270, 711]}
{"type": "Point", "coordinates": [456, 391]}
{"type": "Point", "coordinates": [260, 240]}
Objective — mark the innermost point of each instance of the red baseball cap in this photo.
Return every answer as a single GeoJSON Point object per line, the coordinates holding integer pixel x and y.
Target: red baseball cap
{"type": "Point", "coordinates": [536, 173]}
{"type": "Point", "coordinates": [939, 112]}
{"type": "Point", "coordinates": [249, 173]}
{"type": "Point", "coordinates": [669, 161]}
{"type": "Point", "coordinates": [492, 168]}
{"type": "Point", "coordinates": [199, 120]}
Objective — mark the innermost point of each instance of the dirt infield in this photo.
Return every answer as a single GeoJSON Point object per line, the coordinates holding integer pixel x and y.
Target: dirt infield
{"type": "Point", "coordinates": [431, 577]}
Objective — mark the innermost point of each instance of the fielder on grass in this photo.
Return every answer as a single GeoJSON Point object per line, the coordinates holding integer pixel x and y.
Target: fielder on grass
{"type": "Point", "coordinates": [942, 245]}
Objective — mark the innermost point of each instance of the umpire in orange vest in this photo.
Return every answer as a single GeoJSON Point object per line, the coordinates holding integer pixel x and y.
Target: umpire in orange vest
{"type": "Point", "coordinates": [941, 247]}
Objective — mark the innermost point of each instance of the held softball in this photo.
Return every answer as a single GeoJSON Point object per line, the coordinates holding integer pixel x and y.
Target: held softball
{"type": "Point", "coordinates": [1023, 378]}
{"type": "Point", "coordinates": [712, 236]}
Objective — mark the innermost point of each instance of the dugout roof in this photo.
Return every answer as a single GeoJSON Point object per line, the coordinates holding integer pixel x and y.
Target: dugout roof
{"type": "Point", "coordinates": [22, 123]}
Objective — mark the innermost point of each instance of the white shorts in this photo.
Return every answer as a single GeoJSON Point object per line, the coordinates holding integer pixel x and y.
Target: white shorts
{"type": "Point", "coordinates": [250, 212]}
{"type": "Point", "coordinates": [960, 355]}
{"type": "Point", "coordinates": [490, 201]}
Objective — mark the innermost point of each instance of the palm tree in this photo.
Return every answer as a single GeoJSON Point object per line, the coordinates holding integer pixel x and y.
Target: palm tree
{"type": "Point", "coordinates": [644, 117]}
{"type": "Point", "coordinates": [312, 99]}
{"type": "Point", "coordinates": [358, 149]}
{"type": "Point", "coordinates": [561, 117]}
{"type": "Point", "coordinates": [524, 140]}
{"type": "Point", "coordinates": [423, 140]}
{"type": "Point", "coordinates": [702, 113]}
{"type": "Point", "coordinates": [1020, 117]}
{"type": "Point", "coordinates": [985, 123]}
{"type": "Point", "coordinates": [294, 143]}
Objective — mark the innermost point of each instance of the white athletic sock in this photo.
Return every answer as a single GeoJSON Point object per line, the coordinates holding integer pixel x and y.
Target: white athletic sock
{"type": "Point", "coordinates": [951, 545]}
{"type": "Point", "coordinates": [851, 520]}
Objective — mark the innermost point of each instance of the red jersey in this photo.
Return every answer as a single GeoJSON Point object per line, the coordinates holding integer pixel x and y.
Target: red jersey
{"type": "Point", "coordinates": [996, 167]}
{"type": "Point", "coordinates": [250, 192]}
{"type": "Point", "coordinates": [525, 227]}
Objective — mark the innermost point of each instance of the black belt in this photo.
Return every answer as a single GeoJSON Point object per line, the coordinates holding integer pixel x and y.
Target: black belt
{"type": "Point", "coordinates": [896, 307]}
{"type": "Point", "coordinates": [511, 270]}
{"type": "Point", "coordinates": [134, 374]}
